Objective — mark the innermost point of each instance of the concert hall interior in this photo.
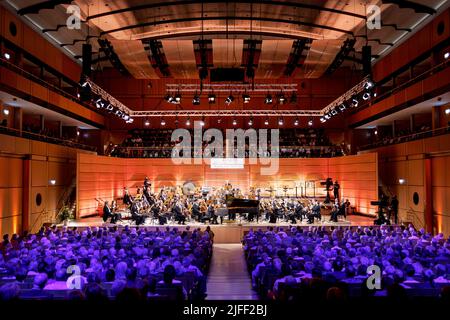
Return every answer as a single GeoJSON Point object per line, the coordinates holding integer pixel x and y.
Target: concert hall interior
{"type": "Point", "coordinates": [224, 150]}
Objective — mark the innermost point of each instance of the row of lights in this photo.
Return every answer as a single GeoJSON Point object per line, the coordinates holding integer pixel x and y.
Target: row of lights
{"type": "Point", "coordinates": [281, 98]}
{"type": "Point", "coordinates": [234, 122]}
{"type": "Point", "coordinates": [351, 103]}
{"type": "Point", "coordinates": [105, 105]}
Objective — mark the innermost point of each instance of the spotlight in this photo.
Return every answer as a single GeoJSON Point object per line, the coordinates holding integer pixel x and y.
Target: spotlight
{"type": "Point", "coordinates": [229, 99]}
{"type": "Point", "coordinates": [146, 123]}
{"type": "Point", "coordinates": [268, 99]}
{"type": "Point", "coordinates": [52, 182]}
{"type": "Point", "coordinates": [202, 122]}
{"type": "Point", "coordinates": [296, 122]}
{"type": "Point", "coordinates": [246, 98]}
{"type": "Point", "coordinates": [334, 112]}
{"type": "Point", "coordinates": [266, 122]}
{"type": "Point", "coordinates": [327, 116]}
{"type": "Point", "coordinates": [188, 122]}
{"type": "Point", "coordinates": [280, 122]}
{"type": "Point", "coordinates": [131, 120]}
{"type": "Point", "coordinates": [211, 98]}
{"type": "Point", "coordinates": [219, 120]}
{"type": "Point", "coordinates": [250, 121]}
{"type": "Point", "coordinates": [7, 56]}
{"type": "Point", "coordinates": [281, 98]}
{"type": "Point", "coordinates": [401, 181]}
{"type": "Point", "coordinates": [78, 133]}
{"type": "Point", "coordinates": [310, 123]}
{"type": "Point", "coordinates": [293, 98]}
{"type": "Point", "coordinates": [369, 84]}
{"type": "Point", "coordinates": [376, 132]}
{"type": "Point", "coordinates": [234, 122]}
{"type": "Point", "coordinates": [322, 119]}
{"type": "Point", "coordinates": [78, 95]}
{"type": "Point", "coordinates": [366, 96]}
{"type": "Point", "coordinates": [163, 122]}
{"type": "Point", "coordinates": [109, 107]}
{"type": "Point", "coordinates": [177, 98]}
{"type": "Point", "coordinates": [99, 104]}
{"type": "Point", "coordinates": [196, 100]}
{"type": "Point", "coordinates": [446, 55]}
{"type": "Point", "coordinates": [342, 107]}
{"type": "Point", "coordinates": [169, 98]}
{"type": "Point", "coordinates": [354, 102]}
{"type": "Point", "coordinates": [6, 112]}
{"type": "Point", "coordinates": [126, 117]}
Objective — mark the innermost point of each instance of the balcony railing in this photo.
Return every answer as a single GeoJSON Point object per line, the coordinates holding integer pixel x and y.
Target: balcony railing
{"type": "Point", "coordinates": [48, 139]}
{"type": "Point", "coordinates": [406, 138]}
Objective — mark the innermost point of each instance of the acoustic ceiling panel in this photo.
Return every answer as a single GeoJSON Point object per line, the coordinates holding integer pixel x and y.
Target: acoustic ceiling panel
{"type": "Point", "coordinates": [181, 59]}
{"type": "Point", "coordinates": [273, 59]}
{"type": "Point", "coordinates": [133, 56]}
{"type": "Point", "coordinates": [227, 53]}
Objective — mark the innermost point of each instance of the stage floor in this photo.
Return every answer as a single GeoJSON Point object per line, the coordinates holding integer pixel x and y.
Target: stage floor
{"type": "Point", "coordinates": [228, 232]}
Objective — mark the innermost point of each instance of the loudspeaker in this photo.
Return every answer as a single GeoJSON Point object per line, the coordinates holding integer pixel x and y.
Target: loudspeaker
{"type": "Point", "coordinates": [87, 59]}
{"type": "Point", "coordinates": [366, 60]}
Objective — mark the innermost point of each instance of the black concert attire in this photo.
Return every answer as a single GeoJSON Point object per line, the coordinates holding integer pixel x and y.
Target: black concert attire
{"type": "Point", "coordinates": [394, 209]}
{"type": "Point", "coordinates": [196, 211]}
{"type": "Point", "coordinates": [177, 210]}
{"type": "Point", "coordinates": [299, 211]}
{"type": "Point", "coordinates": [106, 213]}
{"type": "Point", "coordinates": [127, 199]}
{"type": "Point", "coordinates": [314, 214]}
{"type": "Point", "coordinates": [336, 188]}
{"type": "Point", "coordinates": [212, 214]}
{"type": "Point", "coordinates": [136, 216]}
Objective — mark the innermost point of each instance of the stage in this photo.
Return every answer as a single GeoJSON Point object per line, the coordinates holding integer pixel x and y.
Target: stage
{"type": "Point", "coordinates": [228, 232]}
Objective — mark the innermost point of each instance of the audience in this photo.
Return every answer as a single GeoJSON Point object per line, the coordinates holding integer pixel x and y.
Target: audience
{"type": "Point", "coordinates": [110, 263]}
{"type": "Point", "coordinates": [332, 263]}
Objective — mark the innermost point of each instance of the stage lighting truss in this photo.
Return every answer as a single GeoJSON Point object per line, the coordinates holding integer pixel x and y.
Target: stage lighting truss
{"type": "Point", "coordinates": [236, 88]}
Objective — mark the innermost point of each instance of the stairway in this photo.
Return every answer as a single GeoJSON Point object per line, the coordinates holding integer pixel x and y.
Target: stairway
{"type": "Point", "coordinates": [228, 278]}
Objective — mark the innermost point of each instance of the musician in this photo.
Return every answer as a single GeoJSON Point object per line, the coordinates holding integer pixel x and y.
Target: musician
{"type": "Point", "coordinates": [315, 212]}
{"type": "Point", "coordinates": [347, 208]}
{"type": "Point", "coordinates": [177, 210]}
{"type": "Point", "coordinates": [336, 188]}
{"type": "Point", "coordinates": [212, 214]}
{"type": "Point", "coordinates": [394, 209]}
{"type": "Point", "coordinates": [147, 196]}
{"type": "Point", "coordinates": [107, 213]}
{"type": "Point", "coordinates": [147, 183]}
{"type": "Point", "coordinates": [116, 215]}
{"type": "Point", "coordinates": [135, 215]}
{"type": "Point", "coordinates": [299, 211]}
{"type": "Point", "coordinates": [127, 198]}
{"type": "Point", "coordinates": [195, 211]}
{"type": "Point", "coordinates": [156, 210]}
{"type": "Point", "coordinates": [335, 211]}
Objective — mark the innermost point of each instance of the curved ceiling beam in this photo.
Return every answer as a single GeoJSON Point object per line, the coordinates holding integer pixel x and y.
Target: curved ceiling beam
{"type": "Point", "coordinates": [278, 20]}
{"type": "Point", "coordinates": [417, 7]}
{"type": "Point", "coordinates": [265, 2]}
{"type": "Point", "coordinates": [35, 8]}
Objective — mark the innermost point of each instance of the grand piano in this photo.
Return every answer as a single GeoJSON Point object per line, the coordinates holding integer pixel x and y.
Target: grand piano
{"type": "Point", "coordinates": [241, 206]}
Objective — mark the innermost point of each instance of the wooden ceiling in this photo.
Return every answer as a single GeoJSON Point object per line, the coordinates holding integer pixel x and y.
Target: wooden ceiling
{"type": "Point", "coordinates": [130, 24]}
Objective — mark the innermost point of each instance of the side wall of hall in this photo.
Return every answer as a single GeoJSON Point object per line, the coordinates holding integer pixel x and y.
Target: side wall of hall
{"type": "Point", "coordinates": [26, 168]}
{"type": "Point", "coordinates": [104, 178]}
{"type": "Point", "coordinates": [425, 194]}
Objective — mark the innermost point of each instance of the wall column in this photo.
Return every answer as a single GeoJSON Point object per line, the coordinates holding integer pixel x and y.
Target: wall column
{"type": "Point", "coordinates": [429, 225]}
{"type": "Point", "coordinates": [26, 187]}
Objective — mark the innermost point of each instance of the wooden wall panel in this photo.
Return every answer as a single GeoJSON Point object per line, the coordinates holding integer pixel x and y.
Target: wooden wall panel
{"type": "Point", "coordinates": [105, 177]}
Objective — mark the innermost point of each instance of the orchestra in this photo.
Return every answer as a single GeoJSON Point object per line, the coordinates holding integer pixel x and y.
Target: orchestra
{"type": "Point", "coordinates": [204, 205]}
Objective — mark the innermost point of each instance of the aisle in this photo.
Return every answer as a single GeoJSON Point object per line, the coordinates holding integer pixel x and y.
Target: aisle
{"type": "Point", "coordinates": [228, 278]}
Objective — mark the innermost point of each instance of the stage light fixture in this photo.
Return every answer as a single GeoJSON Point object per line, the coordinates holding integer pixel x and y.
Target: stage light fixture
{"type": "Point", "coordinates": [355, 102]}
{"type": "Point", "coordinates": [219, 120]}
{"type": "Point", "coordinates": [147, 123]}
{"type": "Point", "coordinates": [202, 122]}
{"type": "Point", "coordinates": [322, 119]}
{"type": "Point", "coordinates": [369, 84]}
{"type": "Point", "coordinates": [446, 55]}
{"type": "Point", "coordinates": [342, 107]}
{"type": "Point", "coordinates": [125, 117]}
{"type": "Point", "coordinates": [246, 98]}
{"type": "Point", "coordinates": [366, 96]}
{"type": "Point", "coordinates": [78, 133]}
{"type": "Point", "coordinates": [229, 99]}
{"type": "Point", "coordinates": [131, 120]}
{"type": "Point", "coordinates": [447, 111]}
{"type": "Point", "coordinates": [281, 98]}
{"type": "Point", "coordinates": [234, 122]}
{"type": "Point", "coordinates": [266, 122]}
{"type": "Point", "coordinates": [327, 116]}
{"type": "Point", "coordinates": [6, 112]}
{"type": "Point", "coordinates": [296, 122]}
{"type": "Point", "coordinates": [250, 121]}
{"type": "Point", "coordinates": [52, 182]}
{"type": "Point", "coordinates": [268, 99]}
{"type": "Point", "coordinates": [401, 181]}
{"type": "Point", "coordinates": [376, 132]}
{"type": "Point", "coordinates": [310, 123]}
{"type": "Point", "coordinates": [188, 122]}
{"type": "Point", "coordinates": [280, 121]}
{"type": "Point", "coordinates": [177, 98]}
{"type": "Point", "coordinates": [169, 98]}
{"type": "Point", "coordinates": [196, 100]}
{"type": "Point", "coordinates": [7, 56]}
{"type": "Point", "coordinates": [211, 98]}
{"type": "Point", "coordinates": [163, 122]}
